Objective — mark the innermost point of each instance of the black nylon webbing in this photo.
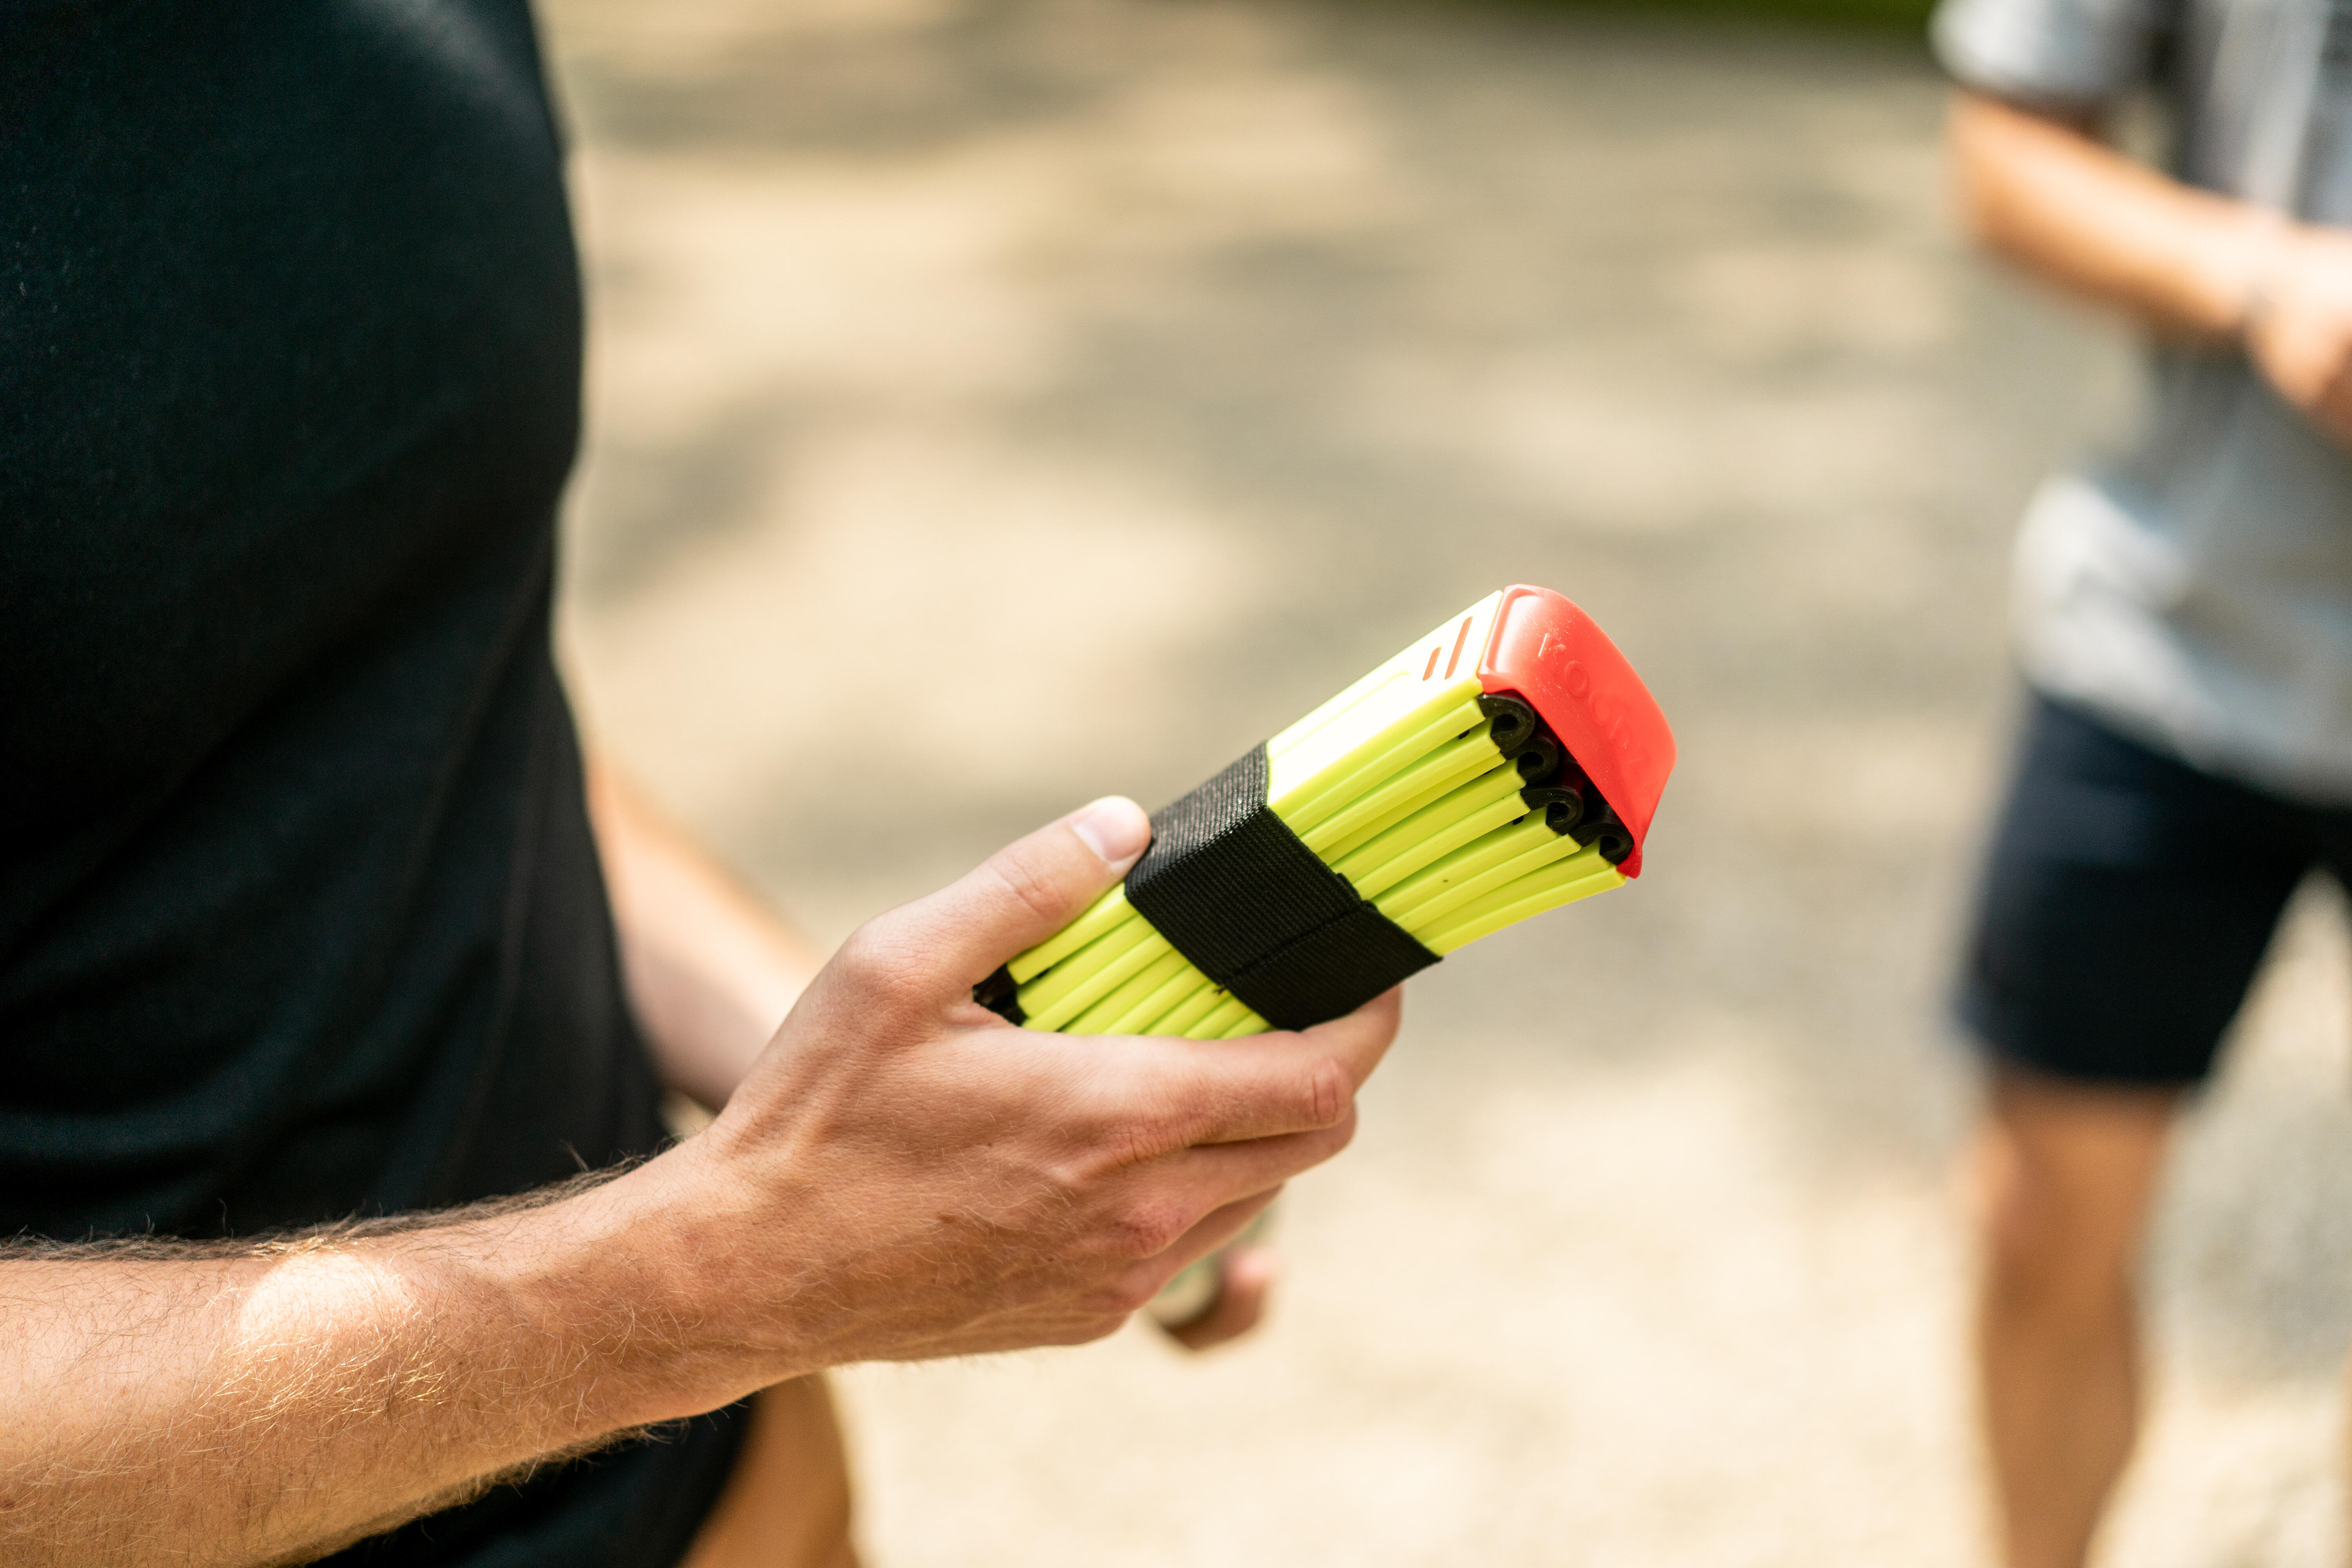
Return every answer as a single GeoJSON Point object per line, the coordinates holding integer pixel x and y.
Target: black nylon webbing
{"type": "Point", "coordinates": [1231, 886]}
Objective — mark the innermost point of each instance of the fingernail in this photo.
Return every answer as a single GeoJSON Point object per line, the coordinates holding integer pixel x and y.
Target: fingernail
{"type": "Point", "coordinates": [1115, 829]}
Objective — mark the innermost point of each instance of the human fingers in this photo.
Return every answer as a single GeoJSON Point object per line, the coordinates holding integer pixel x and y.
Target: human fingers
{"type": "Point", "coordinates": [1106, 1301]}
{"type": "Point", "coordinates": [1212, 1176]}
{"type": "Point", "coordinates": [1248, 1274]}
{"type": "Point", "coordinates": [2302, 334]}
{"type": "Point", "coordinates": [1361, 1039]}
{"type": "Point", "coordinates": [1162, 1094]}
{"type": "Point", "coordinates": [1014, 900]}
{"type": "Point", "coordinates": [1137, 1284]}
{"type": "Point", "coordinates": [2297, 364]}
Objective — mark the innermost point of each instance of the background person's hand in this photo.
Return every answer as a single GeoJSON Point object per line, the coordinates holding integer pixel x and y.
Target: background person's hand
{"type": "Point", "coordinates": [904, 1174]}
{"type": "Point", "coordinates": [2299, 324]}
{"type": "Point", "coordinates": [1248, 1273]}
{"type": "Point", "coordinates": [2040, 188]}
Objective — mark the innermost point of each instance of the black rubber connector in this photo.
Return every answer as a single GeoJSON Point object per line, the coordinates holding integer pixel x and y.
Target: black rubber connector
{"type": "Point", "coordinates": [1516, 723]}
{"type": "Point", "coordinates": [1601, 828]}
{"type": "Point", "coordinates": [1562, 806]}
{"type": "Point", "coordinates": [1234, 889]}
{"type": "Point", "coordinates": [1001, 994]}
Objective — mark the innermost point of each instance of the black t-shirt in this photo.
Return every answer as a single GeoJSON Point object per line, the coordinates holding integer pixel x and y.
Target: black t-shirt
{"type": "Point", "coordinates": [299, 915]}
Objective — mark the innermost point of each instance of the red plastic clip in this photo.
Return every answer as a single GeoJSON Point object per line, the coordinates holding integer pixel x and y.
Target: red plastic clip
{"type": "Point", "coordinates": [1551, 653]}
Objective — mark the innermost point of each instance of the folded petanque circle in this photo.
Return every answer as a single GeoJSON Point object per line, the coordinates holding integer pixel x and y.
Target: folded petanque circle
{"type": "Point", "coordinates": [1505, 763]}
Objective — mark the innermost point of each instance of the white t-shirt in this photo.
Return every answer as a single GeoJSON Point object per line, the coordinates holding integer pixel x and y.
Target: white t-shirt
{"type": "Point", "coordinates": [2194, 589]}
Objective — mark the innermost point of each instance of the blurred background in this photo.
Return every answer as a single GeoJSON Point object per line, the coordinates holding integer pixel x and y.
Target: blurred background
{"type": "Point", "coordinates": [998, 403]}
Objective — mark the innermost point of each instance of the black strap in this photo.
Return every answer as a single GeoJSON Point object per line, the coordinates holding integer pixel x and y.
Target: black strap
{"type": "Point", "coordinates": [1232, 888]}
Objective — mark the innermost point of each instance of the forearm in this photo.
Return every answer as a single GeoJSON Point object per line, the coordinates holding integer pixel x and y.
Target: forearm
{"type": "Point", "coordinates": [203, 1405]}
{"type": "Point", "coordinates": [710, 970]}
{"type": "Point", "coordinates": [2046, 194]}
{"type": "Point", "coordinates": [903, 1174]}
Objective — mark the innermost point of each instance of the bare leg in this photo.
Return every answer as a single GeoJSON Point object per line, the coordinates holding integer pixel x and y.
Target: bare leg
{"type": "Point", "coordinates": [2064, 1174]}
{"type": "Point", "coordinates": [787, 1504]}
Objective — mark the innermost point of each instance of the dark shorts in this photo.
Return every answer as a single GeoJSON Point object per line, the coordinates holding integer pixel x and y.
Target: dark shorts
{"type": "Point", "coordinates": [2127, 904]}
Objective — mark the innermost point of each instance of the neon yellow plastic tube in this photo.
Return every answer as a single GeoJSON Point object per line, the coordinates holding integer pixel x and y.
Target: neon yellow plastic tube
{"type": "Point", "coordinates": [1505, 763]}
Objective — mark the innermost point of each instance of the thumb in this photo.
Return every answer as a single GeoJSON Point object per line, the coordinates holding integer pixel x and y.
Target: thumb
{"type": "Point", "coordinates": [1024, 892]}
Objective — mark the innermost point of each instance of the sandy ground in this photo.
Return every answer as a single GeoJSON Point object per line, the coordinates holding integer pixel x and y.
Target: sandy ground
{"type": "Point", "coordinates": [997, 404]}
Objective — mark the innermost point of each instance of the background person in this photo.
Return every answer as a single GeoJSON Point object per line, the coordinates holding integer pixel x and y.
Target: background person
{"type": "Point", "coordinates": [2184, 617]}
{"type": "Point", "coordinates": [303, 910]}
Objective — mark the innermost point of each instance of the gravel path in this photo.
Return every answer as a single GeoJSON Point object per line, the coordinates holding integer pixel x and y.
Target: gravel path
{"type": "Point", "coordinates": [999, 403]}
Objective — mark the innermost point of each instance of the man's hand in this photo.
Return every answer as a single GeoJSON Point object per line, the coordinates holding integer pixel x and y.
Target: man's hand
{"type": "Point", "coordinates": [901, 1175]}
{"type": "Point", "coordinates": [2299, 322]}
{"type": "Point", "coordinates": [945, 1183]}
{"type": "Point", "coordinates": [713, 972]}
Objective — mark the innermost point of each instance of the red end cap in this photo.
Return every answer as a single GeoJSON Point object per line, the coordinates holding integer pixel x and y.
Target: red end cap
{"type": "Point", "coordinates": [1550, 652]}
